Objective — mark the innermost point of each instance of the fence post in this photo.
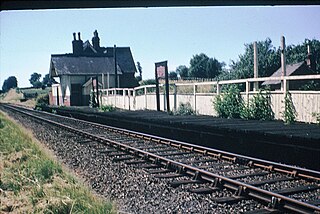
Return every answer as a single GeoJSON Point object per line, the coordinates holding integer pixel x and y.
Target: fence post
{"type": "Point", "coordinates": [107, 98]}
{"type": "Point", "coordinates": [174, 97]}
{"type": "Point", "coordinates": [164, 99]}
{"type": "Point", "coordinates": [115, 97]}
{"type": "Point", "coordinates": [255, 66]}
{"type": "Point", "coordinates": [145, 98]}
{"type": "Point", "coordinates": [247, 90]}
{"type": "Point", "coordinates": [285, 85]}
{"type": "Point", "coordinates": [195, 96]}
{"type": "Point", "coordinates": [124, 98]}
{"type": "Point", "coordinates": [218, 88]}
{"type": "Point", "coordinates": [134, 99]}
{"type": "Point", "coordinates": [129, 96]}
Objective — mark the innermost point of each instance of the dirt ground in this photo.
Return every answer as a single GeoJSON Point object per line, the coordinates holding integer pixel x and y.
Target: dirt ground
{"type": "Point", "coordinates": [13, 97]}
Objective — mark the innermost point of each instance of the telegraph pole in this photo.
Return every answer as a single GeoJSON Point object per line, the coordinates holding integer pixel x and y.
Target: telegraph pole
{"type": "Point", "coordinates": [115, 66]}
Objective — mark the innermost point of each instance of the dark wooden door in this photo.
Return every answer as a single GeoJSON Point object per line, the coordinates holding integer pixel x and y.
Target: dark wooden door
{"type": "Point", "coordinates": [76, 95]}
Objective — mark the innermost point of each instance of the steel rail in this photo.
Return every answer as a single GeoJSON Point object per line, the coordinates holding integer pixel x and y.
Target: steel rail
{"type": "Point", "coordinates": [277, 201]}
{"type": "Point", "coordinates": [264, 164]}
{"type": "Point", "coordinates": [294, 171]}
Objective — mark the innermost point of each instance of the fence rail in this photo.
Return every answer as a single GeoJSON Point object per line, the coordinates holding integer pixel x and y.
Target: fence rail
{"type": "Point", "coordinates": [200, 95]}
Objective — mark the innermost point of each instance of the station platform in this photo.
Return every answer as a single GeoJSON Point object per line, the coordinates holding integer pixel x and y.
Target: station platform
{"type": "Point", "coordinates": [295, 144]}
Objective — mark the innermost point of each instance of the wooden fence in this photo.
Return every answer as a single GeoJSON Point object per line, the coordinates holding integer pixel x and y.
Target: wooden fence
{"type": "Point", "coordinates": [201, 94]}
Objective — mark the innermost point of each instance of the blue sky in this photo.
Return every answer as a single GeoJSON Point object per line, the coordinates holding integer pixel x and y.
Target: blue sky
{"type": "Point", "coordinates": [28, 38]}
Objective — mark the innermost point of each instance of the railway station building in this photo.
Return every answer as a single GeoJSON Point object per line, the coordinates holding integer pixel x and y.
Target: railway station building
{"type": "Point", "coordinates": [300, 68]}
{"type": "Point", "coordinates": [306, 67]}
{"type": "Point", "coordinates": [79, 70]}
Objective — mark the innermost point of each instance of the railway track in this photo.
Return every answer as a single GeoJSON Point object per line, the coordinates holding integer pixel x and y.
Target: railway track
{"type": "Point", "coordinates": [280, 188]}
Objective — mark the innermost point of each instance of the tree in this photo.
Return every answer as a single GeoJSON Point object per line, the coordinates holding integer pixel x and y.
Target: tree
{"type": "Point", "coordinates": [315, 50]}
{"type": "Point", "coordinates": [35, 80]}
{"type": "Point", "coordinates": [204, 67]}
{"type": "Point", "coordinates": [173, 75]}
{"type": "Point", "coordinates": [268, 58]}
{"type": "Point", "coordinates": [37, 84]}
{"type": "Point", "coordinates": [298, 53]}
{"type": "Point", "coordinates": [139, 78]}
{"type": "Point", "coordinates": [47, 81]}
{"type": "Point", "coordinates": [9, 83]}
{"type": "Point", "coordinates": [182, 70]}
{"type": "Point", "coordinates": [198, 65]}
{"type": "Point", "coordinates": [139, 69]}
{"type": "Point", "coordinates": [214, 68]}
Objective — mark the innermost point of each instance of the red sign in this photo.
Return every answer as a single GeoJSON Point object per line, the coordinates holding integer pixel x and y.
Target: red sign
{"type": "Point", "coordinates": [161, 70]}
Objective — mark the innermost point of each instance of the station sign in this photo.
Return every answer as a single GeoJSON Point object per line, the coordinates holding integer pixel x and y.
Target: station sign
{"type": "Point", "coordinates": [161, 72]}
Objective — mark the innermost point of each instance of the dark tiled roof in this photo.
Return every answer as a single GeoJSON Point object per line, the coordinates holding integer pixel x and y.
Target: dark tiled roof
{"type": "Point", "coordinates": [87, 45]}
{"type": "Point", "coordinates": [81, 65]}
{"type": "Point", "coordinates": [93, 63]}
{"type": "Point", "coordinates": [124, 58]}
{"type": "Point", "coordinates": [290, 69]}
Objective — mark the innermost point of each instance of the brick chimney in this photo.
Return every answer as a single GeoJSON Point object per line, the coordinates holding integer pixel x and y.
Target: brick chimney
{"type": "Point", "coordinates": [310, 59]}
{"type": "Point", "coordinates": [77, 45]}
{"type": "Point", "coordinates": [96, 41]}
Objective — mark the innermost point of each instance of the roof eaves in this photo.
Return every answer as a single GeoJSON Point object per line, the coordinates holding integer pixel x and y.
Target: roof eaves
{"type": "Point", "coordinates": [292, 68]}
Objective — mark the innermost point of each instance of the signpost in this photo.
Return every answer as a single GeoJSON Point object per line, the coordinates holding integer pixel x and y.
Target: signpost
{"type": "Point", "coordinates": [161, 71]}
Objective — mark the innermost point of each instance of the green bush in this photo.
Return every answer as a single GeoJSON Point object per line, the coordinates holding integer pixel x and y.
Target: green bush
{"type": "Point", "coordinates": [230, 103]}
{"type": "Point", "coordinates": [30, 95]}
{"type": "Point", "coordinates": [92, 101]}
{"type": "Point", "coordinates": [317, 116]}
{"type": "Point", "coordinates": [184, 109]}
{"type": "Point", "coordinates": [259, 107]}
{"type": "Point", "coordinates": [107, 108]}
{"type": "Point", "coordinates": [42, 100]}
{"type": "Point", "coordinates": [289, 115]}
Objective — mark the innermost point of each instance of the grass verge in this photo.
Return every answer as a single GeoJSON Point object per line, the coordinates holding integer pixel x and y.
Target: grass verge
{"type": "Point", "coordinates": [33, 182]}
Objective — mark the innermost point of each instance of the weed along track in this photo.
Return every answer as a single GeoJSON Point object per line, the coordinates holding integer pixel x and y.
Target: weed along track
{"type": "Point", "coordinates": [148, 174]}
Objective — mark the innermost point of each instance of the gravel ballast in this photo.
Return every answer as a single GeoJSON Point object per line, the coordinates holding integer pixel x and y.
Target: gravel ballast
{"type": "Point", "coordinates": [135, 190]}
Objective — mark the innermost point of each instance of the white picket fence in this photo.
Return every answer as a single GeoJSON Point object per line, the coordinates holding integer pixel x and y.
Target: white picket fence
{"type": "Point", "coordinates": [143, 97]}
